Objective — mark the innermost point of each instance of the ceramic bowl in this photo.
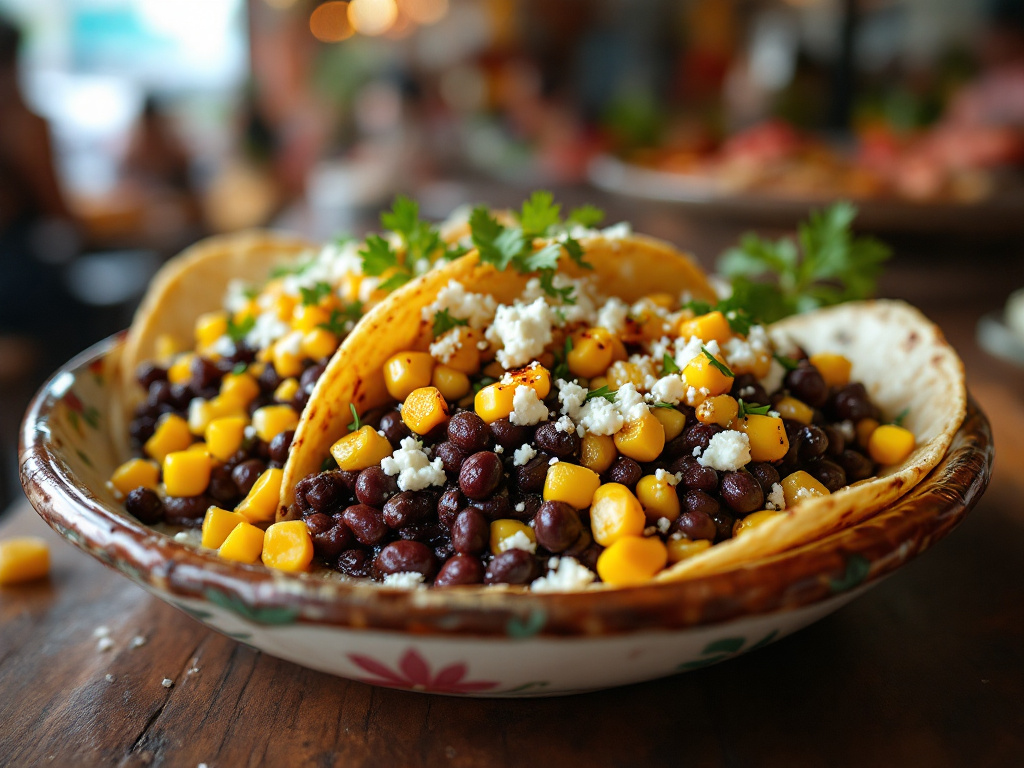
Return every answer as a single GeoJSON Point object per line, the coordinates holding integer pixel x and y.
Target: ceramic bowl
{"type": "Point", "coordinates": [470, 641]}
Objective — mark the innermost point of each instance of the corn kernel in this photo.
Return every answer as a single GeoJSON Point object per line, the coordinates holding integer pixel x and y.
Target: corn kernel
{"type": "Point", "coordinates": [271, 420]}
{"type": "Point", "coordinates": [171, 434]}
{"type": "Point", "coordinates": [890, 444]}
{"type": "Point", "coordinates": [597, 452]}
{"type": "Point", "coordinates": [864, 429]}
{"type": "Point", "coordinates": [360, 449]}
{"type": "Point", "coordinates": [286, 362]}
{"type": "Point", "coordinates": [186, 473]}
{"type": "Point", "coordinates": [501, 530]}
{"type": "Point", "coordinates": [424, 409]}
{"type": "Point", "coordinates": [319, 344]}
{"type": "Point", "coordinates": [243, 545]}
{"type": "Point", "coordinates": [494, 370]}
{"type": "Point", "coordinates": [465, 357]}
{"type": "Point", "coordinates": [242, 388]}
{"type": "Point", "coordinates": [834, 369]}
{"type": "Point", "coordinates": [571, 483]}
{"type": "Point", "coordinates": [452, 384]}
{"type": "Point", "coordinates": [720, 410]}
{"type": "Point", "coordinates": [672, 421]}
{"type": "Point", "coordinates": [180, 371]}
{"type": "Point", "coordinates": [307, 317]}
{"type": "Point", "coordinates": [642, 439]}
{"type": "Point", "coordinates": [536, 377]}
{"type": "Point", "coordinates": [631, 560]}
{"type": "Point", "coordinates": [591, 352]}
{"type": "Point", "coordinates": [658, 498]}
{"type": "Point", "coordinates": [260, 505]}
{"type": "Point", "coordinates": [202, 412]}
{"type": "Point", "coordinates": [494, 402]}
{"type": "Point", "coordinates": [683, 549]}
{"type": "Point", "coordinates": [759, 363]}
{"type": "Point", "coordinates": [284, 307]}
{"type": "Point", "coordinates": [615, 513]}
{"type": "Point", "coordinates": [407, 371]}
{"type": "Point", "coordinates": [701, 374]}
{"type": "Point", "coordinates": [663, 300]}
{"type": "Point", "coordinates": [286, 390]}
{"type": "Point", "coordinates": [287, 546]}
{"type": "Point", "coordinates": [767, 436]}
{"type": "Point", "coordinates": [209, 328]}
{"type": "Point", "coordinates": [791, 408]}
{"type": "Point", "coordinates": [217, 524]}
{"type": "Point", "coordinates": [618, 349]}
{"type": "Point", "coordinates": [712, 326]}
{"type": "Point", "coordinates": [135, 473]}
{"type": "Point", "coordinates": [621, 372]}
{"type": "Point", "coordinates": [224, 436]}
{"type": "Point", "coordinates": [22, 559]}
{"type": "Point", "coordinates": [754, 520]}
{"type": "Point", "coordinates": [799, 486]}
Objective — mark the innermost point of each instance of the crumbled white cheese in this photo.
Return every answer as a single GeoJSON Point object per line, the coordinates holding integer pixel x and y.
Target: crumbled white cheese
{"type": "Point", "coordinates": [105, 644]}
{"type": "Point", "coordinates": [517, 540]}
{"type": "Point", "coordinates": [476, 308]}
{"type": "Point", "coordinates": [726, 451]}
{"type": "Point", "coordinates": [527, 407]}
{"type": "Point", "coordinates": [415, 471]}
{"type": "Point", "coordinates": [291, 343]}
{"type": "Point", "coordinates": [404, 579]}
{"type": "Point", "coordinates": [669, 389]}
{"type": "Point", "coordinates": [806, 493]}
{"type": "Point", "coordinates": [109, 678]}
{"type": "Point", "coordinates": [664, 476]}
{"type": "Point", "coordinates": [267, 329]}
{"type": "Point", "coordinates": [613, 314]}
{"type": "Point", "coordinates": [167, 682]}
{"type": "Point", "coordinates": [101, 631]}
{"type": "Point", "coordinates": [137, 642]}
{"type": "Point", "coordinates": [847, 430]}
{"type": "Point", "coordinates": [521, 506]}
{"type": "Point", "coordinates": [565, 574]}
{"type": "Point", "coordinates": [565, 424]}
{"type": "Point", "coordinates": [572, 397]}
{"type": "Point", "coordinates": [630, 402]}
{"type": "Point", "coordinates": [553, 461]}
{"type": "Point", "coordinates": [776, 373]}
{"type": "Point", "coordinates": [499, 449]}
{"type": "Point", "coordinates": [523, 331]}
{"type": "Point", "coordinates": [584, 298]}
{"type": "Point", "coordinates": [776, 499]}
{"type": "Point", "coordinates": [447, 345]}
{"type": "Point", "coordinates": [747, 391]}
{"type": "Point", "coordinates": [600, 417]}
{"type": "Point", "coordinates": [523, 454]}
{"type": "Point", "coordinates": [664, 524]}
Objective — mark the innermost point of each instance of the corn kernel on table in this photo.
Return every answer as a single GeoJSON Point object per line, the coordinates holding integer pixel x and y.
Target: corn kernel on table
{"type": "Point", "coordinates": [926, 669]}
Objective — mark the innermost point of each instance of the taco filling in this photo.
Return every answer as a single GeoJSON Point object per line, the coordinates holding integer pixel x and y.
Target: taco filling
{"type": "Point", "coordinates": [568, 437]}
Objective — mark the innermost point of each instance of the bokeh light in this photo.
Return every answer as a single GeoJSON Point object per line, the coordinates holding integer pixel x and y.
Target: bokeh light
{"type": "Point", "coordinates": [372, 17]}
{"type": "Point", "coordinates": [280, 4]}
{"type": "Point", "coordinates": [424, 11]}
{"type": "Point", "coordinates": [329, 22]}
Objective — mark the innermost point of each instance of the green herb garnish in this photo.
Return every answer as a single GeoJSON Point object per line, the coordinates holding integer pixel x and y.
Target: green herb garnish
{"type": "Point", "coordinates": [341, 319]}
{"type": "Point", "coordinates": [603, 391]}
{"type": "Point", "coordinates": [484, 381]}
{"type": "Point", "coordinates": [738, 318]}
{"type": "Point", "coordinates": [444, 322]}
{"type": "Point", "coordinates": [668, 365]}
{"type": "Point", "coordinates": [900, 417]}
{"type": "Point", "coordinates": [283, 270]}
{"type": "Point", "coordinates": [662, 405]}
{"type": "Point", "coordinates": [238, 331]}
{"type": "Point", "coordinates": [587, 216]}
{"type": "Point", "coordinates": [328, 464]}
{"type": "Point", "coordinates": [239, 369]}
{"type": "Point", "coordinates": [355, 423]}
{"type": "Point", "coordinates": [787, 362]}
{"type": "Point", "coordinates": [746, 408]}
{"type": "Point", "coordinates": [548, 286]}
{"type": "Point", "coordinates": [539, 214]}
{"type": "Point", "coordinates": [722, 367]}
{"type": "Point", "coordinates": [313, 296]}
{"type": "Point", "coordinates": [561, 370]}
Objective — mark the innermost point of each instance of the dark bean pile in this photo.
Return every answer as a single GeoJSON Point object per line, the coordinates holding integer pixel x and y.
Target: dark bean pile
{"type": "Point", "coordinates": [362, 526]}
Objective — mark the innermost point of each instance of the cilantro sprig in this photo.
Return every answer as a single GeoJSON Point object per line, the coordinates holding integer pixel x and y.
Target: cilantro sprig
{"type": "Point", "coordinates": [668, 365]}
{"type": "Point", "coordinates": [342, 320]}
{"type": "Point", "coordinates": [603, 391]}
{"type": "Point", "coordinates": [312, 296]}
{"type": "Point", "coordinates": [355, 423]}
{"type": "Point", "coordinates": [747, 408]}
{"type": "Point", "coordinates": [825, 265]}
{"type": "Point", "coordinates": [722, 367]}
{"type": "Point", "coordinates": [786, 362]}
{"type": "Point", "coordinates": [238, 331]}
{"type": "Point", "coordinates": [444, 322]}
{"type": "Point", "coordinates": [561, 370]}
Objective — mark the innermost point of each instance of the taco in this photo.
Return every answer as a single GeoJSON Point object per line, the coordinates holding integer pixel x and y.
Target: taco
{"type": "Point", "coordinates": [591, 421]}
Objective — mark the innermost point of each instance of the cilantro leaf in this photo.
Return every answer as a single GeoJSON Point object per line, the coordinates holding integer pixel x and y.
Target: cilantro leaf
{"type": "Point", "coordinates": [444, 322]}
{"type": "Point", "coordinates": [722, 367]}
{"type": "Point", "coordinates": [403, 218]}
{"type": "Point", "coordinates": [485, 381]}
{"type": "Point", "coordinates": [547, 285]}
{"type": "Point", "coordinates": [453, 252]}
{"type": "Point", "coordinates": [395, 281]}
{"type": "Point", "coordinates": [745, 408]}
{"type": "Point", "coordinates": [313, 296]}
{"type": "Point", "coordinates": [732, 308]}
{"type": "Point", "coordinates": [668, 365]}
{"type": "Point", "coordinates": [238, 331]}
{"type": "Point", "coordinates": [378, 256]}
{"type": "Point", "coordinates": [786, 362]}
{"type": "Point", "coordinates": [587, 216]}
{"type": "Point", "coordinates": [661, 405]}
{"type": "Point", "coordinates": [251, 292]}
{"type": "Point", "coordinates": [283, 270]}
{"type": "Point", "coordinates": [497, 244]}
{"type": "Point", "coordinates": [603, 391]}
{"type": "Point", "coordinates": [539, 214]}
{"type": "Point", "coordinates": [341, 320]}
{"type": "Point", "coordinates": [328, 464]}
{"type": "Point", "coordinates": [561, 370]}
{"type": "Point", "coordinates": [900, 417]}
{"type": "Point", "coordinates": [575, 250]}
{"type": "Point", "coordinates": [354, 424]}
{"type": "Point", "coordinates": [239, 369]}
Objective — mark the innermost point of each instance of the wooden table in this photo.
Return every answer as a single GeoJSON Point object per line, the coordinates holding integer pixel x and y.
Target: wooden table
{"type": "Point", "coordinates": [927, 669]}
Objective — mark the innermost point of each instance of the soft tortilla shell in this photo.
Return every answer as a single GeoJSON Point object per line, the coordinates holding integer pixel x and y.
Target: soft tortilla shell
{"type": "Point", "coordinates": [630, 268]}
{"type": "Point", "coordinates": [192, 283]}
{"type": "Point", "coordinates": [905, 363]}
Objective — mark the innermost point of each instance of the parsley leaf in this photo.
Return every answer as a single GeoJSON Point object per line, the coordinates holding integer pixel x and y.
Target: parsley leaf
{"type": "Point", "coordinates": [722, 367]}
{"type": "Point", "coordinates": [239, 369]}
{"type": "Point", "coordinates": [668, 365]}
{"type": "Point", "coordinates": [575, 250]}
{"type": "Point", "coordinates": [355, 423]}
{"type": "Point", "coordinates": [603, 391]}
{"type": "Point", "coordinates": [238, 331]}
{"type": "Point", "coordinates": [745, 408]}
{"type": "Point", "coordinates": [341, 320]}
{"type": "Point", "coordinates": [786, 362]}
{"type": "Point", "coordinates": [444, 322]}
{"type": "Point", "coordinates": [548, 286]}
{"type": "Point", "coordinates": [313, 296]}
{"type": "Point", "coordinates": [661, 405]}
{"type": "Point", "coordinates": [587, 216]}
{"type": "Point", "coordinates": [539, 214]}
{"type": "Point", "coordinates": [826, 265]}
{"type": "Point", "coordinates": [561, 370]}
{"type": "Point", "coordinates": [378, 256]}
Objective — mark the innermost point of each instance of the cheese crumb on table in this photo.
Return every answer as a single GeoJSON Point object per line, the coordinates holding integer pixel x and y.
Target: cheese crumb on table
{"type": "Point", "coordinates": [167, 682]}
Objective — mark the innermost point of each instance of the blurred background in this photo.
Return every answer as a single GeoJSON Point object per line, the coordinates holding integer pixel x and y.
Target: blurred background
{"type": "Point", "coordinates": [131, 128]}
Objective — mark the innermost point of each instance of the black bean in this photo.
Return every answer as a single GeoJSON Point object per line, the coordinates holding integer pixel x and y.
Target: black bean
{"type": "Point", "coordinates": [449, 505]}
{"type": "Point", "coordinates": [144, 505]}
{"type": "Point", "coordinates": [425, 532]}
{"type": "Point", "coordinates": [444, 550]}
{"type": "Point", "coordinates": [318, 523]}
{"type": "Point", "coordinates": [260, 401]}
{"type": "Point", "coordinates": [451, 456]}
{"type": "Point", "coordinates": [394, 428]}
{"type": "Point", "coordinates": [460, 570]}
{"type": "Point", "coordinates": [141, 429]}
{"type": "Point", "coordinates": [625, 471]}
{"type": "Point", "coordinates": [269, 380]}
{"type": "Point", "coordinates": [583, 541]}
{"type": "Point", "coordinates": [828, 473]}
{"type": "Point", "coordinates": [530, 476]}
{"type": "Point", "coordinates": [374, 487]}
{"type": "Point", "coordinates": [159, 393]}
{"type": "Point", "coordinates": [836, 441]}
{"type": "Point", "coordinates": [204, 373]}
{"type": "Point", "coordinates": [851, 403]}
{"type": "Point", "coordinates": [327, 492]}
{"type": "Point", "coordinates": [180, 396]}
{"type": "Point", "coordinates": [557, 526]}
{"type": "Point", "coordinates": [856, 465]}
{"type": "Point", "coordinates": [469, 432]}
{"type": "Point", "coordinates": [766, 475]}
{"type": "Point", "coordinates": [187, 510]}
{"type": "Point", "coordinates": [355, 562]}
{"type": "Point", "coordinates": [530, 503]}
{"type": "Point", "coordinates": [311, 375]}
{"type": "Point", "coordinates": [470, 532]}
{"type": "Point", "coordinates": [408, 508]}
{"type": "Point", "coordinates": [806, 384]}
{"type": "Point", "coordinates": [747, 387]}
{"type": "Point", "coordinates": [221, 487]}
{"type": "Point", "coordinates": [813, 442]}
{"type": "Point", "coordinates": [240, 353]}
{"type": "Point", "coordinates": [509, 435]}
{"type": "Point", "coordinates": [700, 502]}
{"type": "Point", "coordinates": [366, 524]}
{"type": "Point", "coordinates": [279, 446]}
{"type": "Point", "coordinates": [724, 522]}
{"type": "Point", "coordinates": [498, 507]}
{"type": "Point", "coordinates": [149, 373]}
{"type": "Point", "coordinates": [742, 492]}
{"type": "Point", "coordinates": [513, 566]}
{"type": "Point", "coordinates": [695, 476]}
{"type": "Point", "coordinates": [551, 439]}
{"type": "Point", "coordinates": [699, 436]}
{"type": "Point", "coordinates": [696, 525]}
{"type": "Point", "coordinates": [299, 400]}
{"type": "Point", "coordinates": [332, 542]}
{"type": "Point", "coordinates": [348, 478]}
{"type": "Point", "coordinates": [405, 557]}
{"type": "Point", "coordinates": [480, 475]}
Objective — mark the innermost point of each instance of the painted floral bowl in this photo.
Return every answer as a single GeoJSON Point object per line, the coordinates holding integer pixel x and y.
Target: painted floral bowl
{"type": "Point", "coordinates": [470, 641]}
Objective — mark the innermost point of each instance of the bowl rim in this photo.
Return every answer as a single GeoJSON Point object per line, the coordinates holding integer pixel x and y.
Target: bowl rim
{"type": "Point", "coordinates": [795, 578]}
